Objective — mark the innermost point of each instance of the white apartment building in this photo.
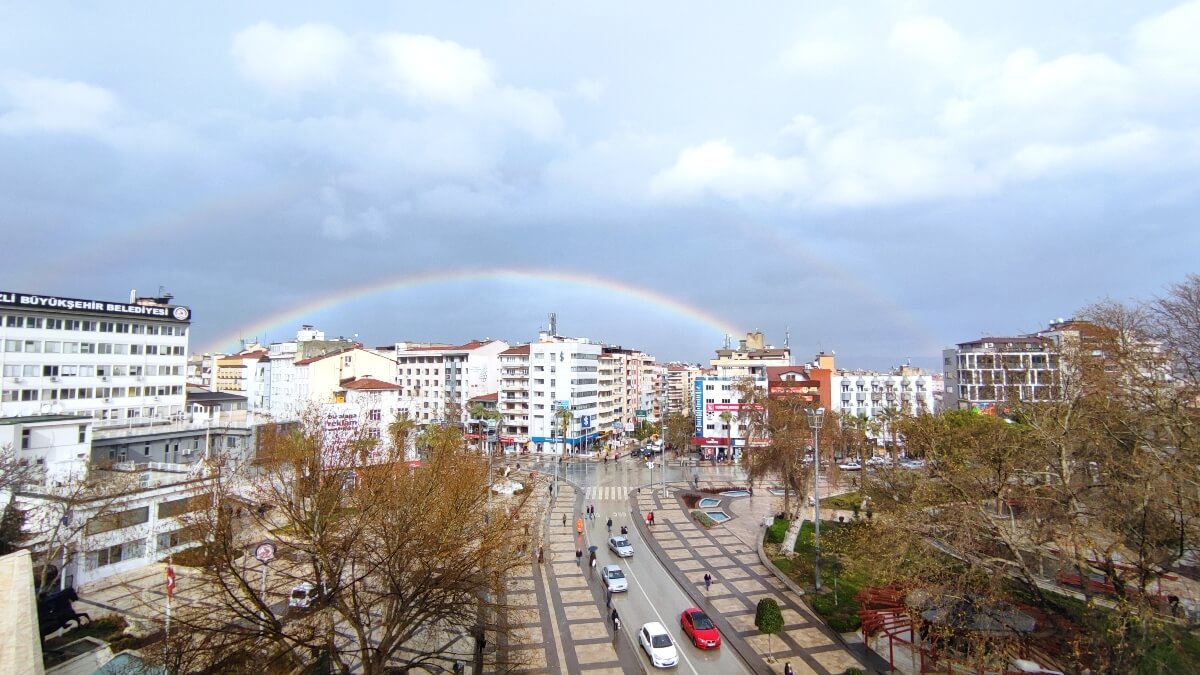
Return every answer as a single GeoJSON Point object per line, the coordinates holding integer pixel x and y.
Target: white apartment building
{"type": "Point", "coordinates": [870, 394]}
{"type": "Point", "coordinates": [982, 373]}
{"type": "Point", "coordinates": [513, 399]}
{"type": "Point", "coordinates": [751, 358]}
{"type": "Point", "coordinates": [321, 379]}
{"type": "Point", "coordinates": [433, 378]}
{"type": "Point", "coordinates": [720, 434]}
{"type": "Point", "coordinates": [652, 389]}
{"type": "Point", "coordinates": [246, 373]}
{"type": "Point", "coordinates": [119, 363]}
{"type": "Point", "coordinates": [564, 375]}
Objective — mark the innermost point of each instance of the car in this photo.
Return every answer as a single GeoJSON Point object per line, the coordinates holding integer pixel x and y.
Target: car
{"type": "Point", "coordinates": [303, 596]}
{"type": "Point", "coordinates": [659, 645]}
{"type": "Point", "coordinates": [614, 578]}
{"type": "Point", "coordinates": [619, 544]}
{"type": "Point", "coordinates": [697, 626]}
{"type": "Point", "coordinates": [852, 465]}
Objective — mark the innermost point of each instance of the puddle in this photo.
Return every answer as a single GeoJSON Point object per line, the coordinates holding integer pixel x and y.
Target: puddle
{"type": "Point", "coordinates": [736, 493]}
{"type": "Point", "coordinates": [718, 516]}
{"type": "Point", "coordinates": [708, 502]}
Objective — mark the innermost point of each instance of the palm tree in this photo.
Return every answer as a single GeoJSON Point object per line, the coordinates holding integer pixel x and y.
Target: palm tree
{"type": "Point", "coordinates": [564, 418]}
{"type": "Point", "coordinates": [399, 431]}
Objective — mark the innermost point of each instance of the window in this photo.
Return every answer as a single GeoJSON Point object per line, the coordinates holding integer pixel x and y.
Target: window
{"type": "Point", "coordinates": [104, 348]}
{"type": "Point", "coordinates": [11, 321]}
{"type": "Point", "coordinates": [26, 439]}
{"type": "Point", "coordinates": [32, 347]}
{"type": "Point", "coordinates": [87, 348]}
{"type": "Point", "coordinates": [120, 349]}
{"type": "Point", "coordinates": [116, 521]}
{"type": "Point", "coordinates": [136, 349]}
{"type": "Point", "coordinates": [30, 371]}
{"type": "Point", "coordinates": [54, 324]}
{"type": "Point", "coordinates": [12, 371]}
{"type": "Point", "coordinates": [375, 415]}
{"type": "Point", "coordinates": [12, 345]}
{"type": "Point", "coordinates": [107, 556]}
{"type": "Point", "coordinates": [48, 371]}
{"type": "Point", "coordinates": [29, 395]}
{"type": "Point", "coordinates": [53, 347]}
{"type": "Point", "coordinates": [107, 326]}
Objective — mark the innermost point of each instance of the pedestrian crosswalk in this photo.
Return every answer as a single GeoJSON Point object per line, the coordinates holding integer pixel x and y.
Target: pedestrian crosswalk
{"type": "Point", "coordinates": [606, 493]}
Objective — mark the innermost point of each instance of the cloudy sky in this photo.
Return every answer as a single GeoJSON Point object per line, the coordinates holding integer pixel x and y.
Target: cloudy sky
{"type": "Point", "coordinates": [881, 179]}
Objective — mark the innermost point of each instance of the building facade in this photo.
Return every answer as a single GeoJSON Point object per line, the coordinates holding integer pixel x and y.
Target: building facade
{"type": "Point", "coordinates": [119, 363]}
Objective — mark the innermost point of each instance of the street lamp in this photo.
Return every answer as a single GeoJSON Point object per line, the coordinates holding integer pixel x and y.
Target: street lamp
{"type": "Point", "coordinates": [816, 418]}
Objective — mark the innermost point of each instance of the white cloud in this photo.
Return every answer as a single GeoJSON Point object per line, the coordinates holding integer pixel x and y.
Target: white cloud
{"type": "Point", "coordinates": [427, 69]}
{"type": "Point", "coordinates": [291, 60]}
{"type": "Point", "coordinates": [1167, 45]}
{"type": "Point", "coordinates": [927, 38]}
{"type": "Point", "coordinates": [1119, 150]}
{"type": "Point", "coordinates": [42, 104]}
{"type": "Point", "coordinates": [716, 167]}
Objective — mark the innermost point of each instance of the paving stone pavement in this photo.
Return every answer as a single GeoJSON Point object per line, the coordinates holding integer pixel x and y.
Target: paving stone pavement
{"type": "Point", "coordinates": [560, 625]}
{"type": "Point", "coordinates": [729, 553]}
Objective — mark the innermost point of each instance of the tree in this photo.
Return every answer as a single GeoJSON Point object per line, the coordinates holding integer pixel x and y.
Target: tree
{"type": "Point", "coordinates": [399, 431]}
{"type": "Point", "coordinates": [481, 414]}
{"type": "Point", "coordinates": [768, 619]}
{"type": "Point", "coordinates": [408, 564]}
{"type": "Point", "coordinates": [680, 430]}
{"type": "Point", "coordinates": [778, 428]}
{"type": "Point", "coordinates": [12, 520]}
{"type": "Point", "coordinates": [564, 417]}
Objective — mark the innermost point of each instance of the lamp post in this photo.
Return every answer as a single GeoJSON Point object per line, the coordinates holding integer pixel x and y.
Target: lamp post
{"type": "Point", "coordinates": [816, 418]}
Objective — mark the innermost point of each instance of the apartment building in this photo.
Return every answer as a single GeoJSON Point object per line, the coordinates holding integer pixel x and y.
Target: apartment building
{"type": "Point", "coordinates": [681, 379]}
{"type": "Point", "coordinates": [873, 395]}
{"type": "Point", "coordinates": [564, 375]}
{"type": "Point", "coordinates": [512, 400]}
{"type": "Point", "coordinates": [119, 363]}
{"type": "Point", "coordinates": [983, 373]}
{"type": "Point", "coordinates": [436, 381]}
{"type": "Point", "coordinates": [750, 359]}
{"type": "Point", "coordinates": [321, 379]}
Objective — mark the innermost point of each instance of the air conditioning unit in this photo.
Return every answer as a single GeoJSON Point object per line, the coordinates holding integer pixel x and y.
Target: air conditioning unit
{"type": "Point", "coordinates": [18, 379]}
{"type": "Point", "coordinates": [157, 398]}
{"type": "Point", "coordinates": [54, 378]}
{"type": "Point", "coordinates": [107, 400]}
{"type": "Point", "coordinates": [104, 378]}
{"type": "Point", "coordinates": [188, 452]}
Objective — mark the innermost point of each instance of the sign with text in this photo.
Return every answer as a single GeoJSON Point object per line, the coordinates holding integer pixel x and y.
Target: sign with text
{"type": "Point", "coordinates": [169, 312]}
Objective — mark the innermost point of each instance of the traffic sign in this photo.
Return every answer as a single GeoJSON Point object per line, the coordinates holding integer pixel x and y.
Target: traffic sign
{"type": "Point", "coordinates": [563, 405]}
{"type": "Point", "coordinates": [641, 412]}
{"type": "Point", "coordinates": [265, 552]}
{"type": "Point", "coordinates": [585, 421]}
{"type": "Point", "coordinates": [618, 426]}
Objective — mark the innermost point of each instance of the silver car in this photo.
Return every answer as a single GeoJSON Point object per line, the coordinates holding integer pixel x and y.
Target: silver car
{"type": "Point", "coordinates": [614, 578]}
{"type": "Point", "coordinates": [619, 544]}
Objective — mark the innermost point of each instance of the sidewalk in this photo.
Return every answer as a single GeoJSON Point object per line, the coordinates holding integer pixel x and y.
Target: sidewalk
{"type": "Point", "coordinates": [559, 625]}
{"type": "Point", "coordinates": [729, 553]}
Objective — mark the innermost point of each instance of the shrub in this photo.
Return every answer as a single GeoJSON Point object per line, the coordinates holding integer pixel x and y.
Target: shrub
{"type": "Point", "coordinates": [776, 531]}
{"type": "Point", "coordinates": [854, 671]}
{"type": "Point", "coordinates": [702, 518]}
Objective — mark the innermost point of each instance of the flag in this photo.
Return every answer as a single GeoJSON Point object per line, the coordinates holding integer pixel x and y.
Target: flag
{"type": "Point", "coordinates": [170, 579]}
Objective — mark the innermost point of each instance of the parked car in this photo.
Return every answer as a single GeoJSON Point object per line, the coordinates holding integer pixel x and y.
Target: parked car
{"type": "Point", "coordinates": [303, 596]}
{"type": "Point", "coordinates": [697, 626]}
{"type": "Point", "coordinates": [852, 465]}
{"type": "Point", "coordinates": [658, 645]}
{"type": "Point", "coordinates": [619, 544]}
{"type": "Point", "coordinates": [614, 578]}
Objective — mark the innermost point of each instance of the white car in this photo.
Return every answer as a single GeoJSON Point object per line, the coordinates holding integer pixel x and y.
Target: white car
{"type": "Point", "coordinates": [620, 545]}
{"type": "Point", "coordinates": [658, 645]}
{"type": "Point", "coordinates": [303, 596]}
{"type": "Point", "coordinates": [614, 578]}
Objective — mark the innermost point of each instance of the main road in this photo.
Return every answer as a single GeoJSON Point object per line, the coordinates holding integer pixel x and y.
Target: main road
{"type": "Point", "coordinates": [653, 593]}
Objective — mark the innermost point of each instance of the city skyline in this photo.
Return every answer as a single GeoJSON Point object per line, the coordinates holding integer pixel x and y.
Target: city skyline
{"type": "Point", "coordinates": [880, 181]}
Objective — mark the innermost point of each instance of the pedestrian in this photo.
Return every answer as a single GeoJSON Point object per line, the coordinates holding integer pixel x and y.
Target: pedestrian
{"type": "Point", "coordinates": [579, 525]}
{"type": "Point", "coordinates": [707, 581]}
{"type": "Point", "coordinates": [551, 487]}
{"type": "Point", "coordinates": [608, 597]}
{"type": "Point", "coordinates": [624, 530]}
{"type": "Point", "coordinates": [788, 669]}
{"type": "Point", "coordinates": [540, 558]}
{"type": "Point", "coordinates": [564, 520]}
{"type": "Point", "coordinates": [578, 557]}
{"type": "Point", "coordinates": [610, 525]}
{"type": "Point", "coordinates": [651, 517]}
{"type": "Point", "coordinates": [616, 619]}
{"type": "Point", "coordinates": [592, 559]}
{"type": "Point", "coordinates": [593, 564]}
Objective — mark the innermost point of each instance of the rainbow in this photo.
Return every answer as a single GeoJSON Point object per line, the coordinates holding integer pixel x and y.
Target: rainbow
{"type": "Point", "coordinates": [720, 326]}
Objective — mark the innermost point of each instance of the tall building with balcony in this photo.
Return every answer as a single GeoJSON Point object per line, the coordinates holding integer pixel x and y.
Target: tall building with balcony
{"type": "Point", "coordinates": [564, 375]}
{"type": "Point", "coordinates": [513, 399]}
{"type": "Point", "coordinates": [985, 372]}
{"type": "Point", "coordinates": [681, 378]}
{"type": "Point", "coordinates": [436, 381]}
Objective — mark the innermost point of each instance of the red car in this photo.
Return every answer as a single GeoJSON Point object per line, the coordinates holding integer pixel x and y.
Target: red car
{"type": "Point", "coordinates": [702, 631]}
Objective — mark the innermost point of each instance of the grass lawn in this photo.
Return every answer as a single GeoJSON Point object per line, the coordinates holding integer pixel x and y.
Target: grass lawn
{"type": "Point", "coordinates": [838, 607]}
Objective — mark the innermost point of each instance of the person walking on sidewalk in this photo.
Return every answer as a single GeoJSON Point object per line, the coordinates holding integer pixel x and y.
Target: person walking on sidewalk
{"type": "Point", "coordinates": [707, 581]}
{"type": "Point", "coordinates": [579, 525]}
{"type": "Point", "coordinates": [610, 525]}
{"type": "Point", "coordinates": [564, 520]}
{"type": "Point", "coordinates": [578, 557]}
{"type": "Point", "coordinates": [788, 669]}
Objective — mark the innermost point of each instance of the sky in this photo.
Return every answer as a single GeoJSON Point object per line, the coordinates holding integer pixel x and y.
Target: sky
{"type": "Point", "coordinates": [877, 179]}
